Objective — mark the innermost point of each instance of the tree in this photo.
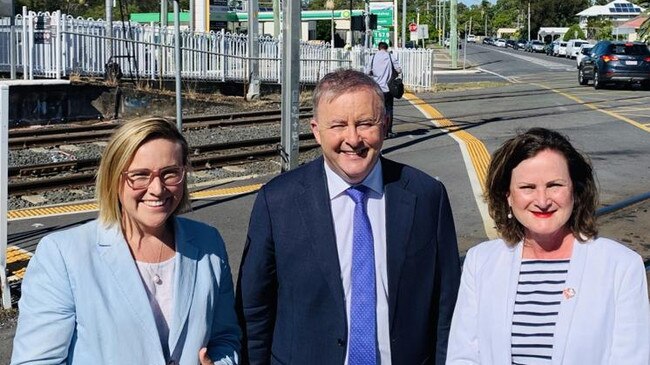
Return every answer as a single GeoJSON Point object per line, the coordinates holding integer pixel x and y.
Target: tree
{"type": "Point", "coordinates": [574, 32]}
{"type": "Point", "coordinates": [598, 28]}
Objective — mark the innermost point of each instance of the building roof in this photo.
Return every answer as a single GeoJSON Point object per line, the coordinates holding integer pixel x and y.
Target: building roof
{"type": "Point", "coordinates": [635, 23]}
{"type": "Point", "coordinates": [614, 8]}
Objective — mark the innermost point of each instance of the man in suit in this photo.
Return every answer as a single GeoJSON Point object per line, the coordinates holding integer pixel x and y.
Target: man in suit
{"type": "Point", "coordinates": [331, 278]}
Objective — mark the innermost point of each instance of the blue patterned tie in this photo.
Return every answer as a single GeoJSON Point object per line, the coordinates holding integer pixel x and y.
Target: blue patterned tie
{"type": "Point", "coordinates": [363, 324]}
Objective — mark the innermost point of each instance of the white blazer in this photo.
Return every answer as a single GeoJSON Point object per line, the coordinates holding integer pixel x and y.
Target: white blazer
{"type": "Point", "coordinates": [607, 321]}
{"type": "Point", "coordinates": [83, 301]}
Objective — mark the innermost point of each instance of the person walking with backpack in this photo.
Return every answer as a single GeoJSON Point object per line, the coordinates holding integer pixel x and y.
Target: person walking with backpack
{"type": "Point", "coordinates": [381, 69]}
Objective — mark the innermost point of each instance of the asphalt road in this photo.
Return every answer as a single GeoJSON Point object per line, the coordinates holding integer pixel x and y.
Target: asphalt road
{"type": "Point", "coordinates": [611, 126]}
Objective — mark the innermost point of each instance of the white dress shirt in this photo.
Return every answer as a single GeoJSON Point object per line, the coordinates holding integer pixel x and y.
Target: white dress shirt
{"type": "Point", "coordinates": [343, 217]}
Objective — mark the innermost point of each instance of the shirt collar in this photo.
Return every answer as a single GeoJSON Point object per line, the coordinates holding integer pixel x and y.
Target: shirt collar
{"type": "Point", "coordinates": [337, 186]}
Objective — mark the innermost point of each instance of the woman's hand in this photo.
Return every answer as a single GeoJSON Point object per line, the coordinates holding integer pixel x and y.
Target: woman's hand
{"type": "Point", "coordinates": [204, 359]}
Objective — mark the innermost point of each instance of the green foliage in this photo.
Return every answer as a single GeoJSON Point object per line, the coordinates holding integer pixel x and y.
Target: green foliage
{"type": "Point", "coordinates": [600, 29]}
{"type": "Point", "coordinates": [574, 32]}
{"type": "Point", "coordinates": [644, 31]}
{"type": "Point", "coordinates": [323, 30]}
{"type": "Point", "coordinates": [95, 8]}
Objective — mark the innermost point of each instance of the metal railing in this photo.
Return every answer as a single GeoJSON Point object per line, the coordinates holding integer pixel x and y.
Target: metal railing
{"type": "Point", "coordinates": [55, 45]}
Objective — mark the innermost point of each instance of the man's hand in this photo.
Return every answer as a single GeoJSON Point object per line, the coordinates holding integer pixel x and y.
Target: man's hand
{"type": "Point", "coordinates": [204, 359]}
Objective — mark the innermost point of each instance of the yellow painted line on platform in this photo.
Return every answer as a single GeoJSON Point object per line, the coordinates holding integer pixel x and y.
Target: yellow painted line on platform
{"type": "Point", "coordinates": [474, 152]}
{"type": "Point", "coordinates": [29, 213]}
{"type": "Point", "coordinates": [594, 107]}
{"type": "Point", "coordinates": [218, 193]}
{"type": "Point", "coordinates": [17, 259]}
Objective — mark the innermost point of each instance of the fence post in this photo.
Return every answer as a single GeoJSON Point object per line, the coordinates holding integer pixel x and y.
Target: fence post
{"type": "Point", "coordinates": [4, 162]}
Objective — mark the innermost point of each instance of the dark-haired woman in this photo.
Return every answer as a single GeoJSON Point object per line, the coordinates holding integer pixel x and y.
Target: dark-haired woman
{"type": "Point", "coordinates": [549, 291]}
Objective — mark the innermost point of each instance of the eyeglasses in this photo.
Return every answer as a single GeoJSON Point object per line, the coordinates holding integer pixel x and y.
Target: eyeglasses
{"type": "Point", "coordinates": [141, 179]}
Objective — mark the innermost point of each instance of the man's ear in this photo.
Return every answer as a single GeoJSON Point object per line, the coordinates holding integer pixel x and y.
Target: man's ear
{"type": "Point", "coordinates": [314, 129]}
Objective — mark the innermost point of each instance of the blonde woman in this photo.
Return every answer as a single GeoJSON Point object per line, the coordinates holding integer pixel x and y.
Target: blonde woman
{"type": "Point", "coordinates": [139, 285]}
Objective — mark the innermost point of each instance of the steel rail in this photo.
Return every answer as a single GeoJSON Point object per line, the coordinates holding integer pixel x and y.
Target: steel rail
{"type": "Point", "coordinates": [25, 138]}
{"type": "Point", "coordinates": [82, 172]}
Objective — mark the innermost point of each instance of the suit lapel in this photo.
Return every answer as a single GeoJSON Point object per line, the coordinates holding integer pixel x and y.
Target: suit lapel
{"type": "Point", "coordinates": [184, 281]}
{"type": "Point", "coordinates": [400, 212]}
{"type": "Point", "coordinates": [114, 251]}
{"type": "Point", "coordinates": [508, 295]}
{"type": "Point", "coordinates": [568, 305]}
{"type": "Point", "coordinates": [314, 206]}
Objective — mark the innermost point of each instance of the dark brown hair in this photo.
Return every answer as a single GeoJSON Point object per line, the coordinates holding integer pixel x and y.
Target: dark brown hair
{"type": "Point", "coordinates": [524, 146]}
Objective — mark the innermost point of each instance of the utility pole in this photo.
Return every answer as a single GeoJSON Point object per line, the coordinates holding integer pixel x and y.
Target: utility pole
{"type": "Point", "coordinates": [403, 23]}
{"type": "Point", "coordinates": [178, 65]}
{"type": "Point", "coordinates": [253, 52]}
{"type": "Point", "coordinates": [395, 31]}
{"type": "Point", "coordinates": [366, 19]}
{"type": "Point", "coordinates": [290, 106]}
{"type": "Point", "coordinates": [453, 33]}
{"type": "Point", "coordinates": [276, 18]}
{"type": "Point", "coordinates": [109, 29]}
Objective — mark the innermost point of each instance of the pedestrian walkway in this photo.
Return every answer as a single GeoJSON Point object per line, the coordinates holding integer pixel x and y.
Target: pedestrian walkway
{"type": "Point", "coordinates": [442, 63]}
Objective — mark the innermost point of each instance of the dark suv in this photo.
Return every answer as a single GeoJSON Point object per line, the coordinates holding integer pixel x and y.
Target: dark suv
{"type": "Point", "coordinates": [621, 62]}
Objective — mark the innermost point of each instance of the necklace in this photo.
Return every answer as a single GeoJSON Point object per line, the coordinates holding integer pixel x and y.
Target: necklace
{"type": "Point", "coordinates": [156, 276]}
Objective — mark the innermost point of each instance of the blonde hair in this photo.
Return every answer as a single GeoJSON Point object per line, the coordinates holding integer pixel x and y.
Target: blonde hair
{"type": "Point", "coordinates": [118, 156]}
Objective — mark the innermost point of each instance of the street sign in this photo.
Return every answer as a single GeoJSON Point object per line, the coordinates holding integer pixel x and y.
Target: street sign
{"type": "Point", "coordinates": [413, 27]}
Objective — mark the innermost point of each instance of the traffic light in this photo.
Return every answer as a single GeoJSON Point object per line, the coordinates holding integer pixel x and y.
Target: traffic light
{"type": "Point", "coordinates": [359, 22]}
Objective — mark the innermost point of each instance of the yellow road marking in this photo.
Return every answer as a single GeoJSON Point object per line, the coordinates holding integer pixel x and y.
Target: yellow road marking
{"type": "Point", "coordinates": [475, 155]}
{"type": "Point", "coordinates": [594, 107]}
{"type": "Point", "coordinates": [92, 206]}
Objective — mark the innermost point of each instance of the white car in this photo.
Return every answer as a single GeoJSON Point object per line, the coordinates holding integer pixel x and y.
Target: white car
{"type": "Point", "coordinates": [471, 38]}
{"type": "Point", "coordinates": [559, 49]}
{"type": "Point", "coordinates": [500, 43]}
{"type": "Point", "coordinates": [573, 47]}
{"type": "Point", "coordinates": [585, 48]}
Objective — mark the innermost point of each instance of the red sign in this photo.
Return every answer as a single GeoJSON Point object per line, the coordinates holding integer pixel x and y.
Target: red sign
{"type": "Point", "coordinates": [413, 27]}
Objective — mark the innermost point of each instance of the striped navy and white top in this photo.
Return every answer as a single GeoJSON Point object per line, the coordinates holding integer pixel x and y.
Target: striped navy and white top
{"type": "Point", "coordinates": [539, 294]}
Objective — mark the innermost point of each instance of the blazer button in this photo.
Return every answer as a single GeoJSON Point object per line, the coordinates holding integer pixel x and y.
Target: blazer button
{"type": "Point", "coordinates": [340, 342]}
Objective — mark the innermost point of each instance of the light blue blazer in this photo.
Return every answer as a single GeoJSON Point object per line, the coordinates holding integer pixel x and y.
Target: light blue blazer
{"type": "Point", "coordinates": [83, 301]}
{"type": "Point", "coordinates": [607, 321]}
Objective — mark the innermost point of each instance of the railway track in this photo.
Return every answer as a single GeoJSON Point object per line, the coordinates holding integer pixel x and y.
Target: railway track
{"type": "Point", "coordinates": [60, 175]}
{"type": "Point", "coordinates": [75, 134]}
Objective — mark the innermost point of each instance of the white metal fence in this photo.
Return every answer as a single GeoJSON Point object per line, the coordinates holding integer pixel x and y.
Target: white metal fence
{"type": "Point", "coordinates": [55, 45]}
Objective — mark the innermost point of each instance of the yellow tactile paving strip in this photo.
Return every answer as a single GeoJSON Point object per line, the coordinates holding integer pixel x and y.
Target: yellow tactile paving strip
{"type": "Point", "coordinates": [473, 150]}
{"type": "Point", "coordinates": [478, 152]}
{"type": "Point", "coordinates": [92, 206]}
{"type": "Point", "coordinates": [17, 256]}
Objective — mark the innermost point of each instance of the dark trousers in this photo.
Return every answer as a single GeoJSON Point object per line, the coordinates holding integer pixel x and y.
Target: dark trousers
{"type": "Point", "coordinates": [388, 104]}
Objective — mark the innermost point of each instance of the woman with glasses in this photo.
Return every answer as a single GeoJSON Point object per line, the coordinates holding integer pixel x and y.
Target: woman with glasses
{"type": "Point", "coordinates": [139, 285]}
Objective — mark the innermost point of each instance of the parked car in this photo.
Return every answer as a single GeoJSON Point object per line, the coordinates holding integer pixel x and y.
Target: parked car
{"type": "Point", "coordinates": [559, 49]}
{"type": "Point", "coordinates": [536, 46]}
{"type": "Point", "coordinates": [573, 47]}
{"type": "Point", "coordinates": [510, 43]}
{"type": "Point", "coordinates": [521, 43]}
{"type": "Point", "coordinates": [500, 43]}
{"type": "Point", "coordinates": [584, 50]}
{"type": "Point", "coordinates": [487, 40]}
{"type": "Point", "coordinates": [549, 48]}
{"type": "Point", "coordinates": [616, 62]}
{"type": "Point", "coordinates": [471, 38]}
{"type": "Point", "coordinates": [447, 43]}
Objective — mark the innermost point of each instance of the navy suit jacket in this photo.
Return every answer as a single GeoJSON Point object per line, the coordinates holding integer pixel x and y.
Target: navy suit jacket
{"type": "Point", "coordinates": [290, 294]}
